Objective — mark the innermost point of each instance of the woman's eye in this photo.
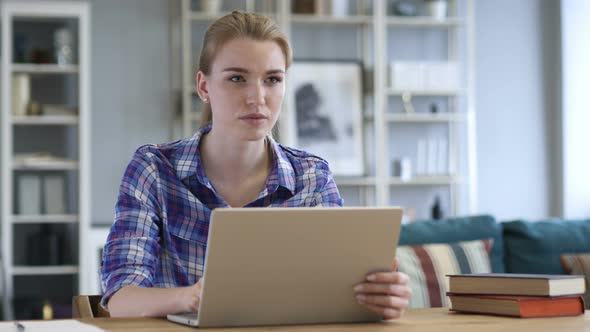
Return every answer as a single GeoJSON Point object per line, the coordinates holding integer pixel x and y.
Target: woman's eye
{"type": "Point", "coordinates": [274, 80]}
{"type": "Point", "coordinates": [236, 78]}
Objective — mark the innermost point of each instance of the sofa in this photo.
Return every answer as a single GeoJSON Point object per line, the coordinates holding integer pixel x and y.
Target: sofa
{"type": "Point", "coordinates": [431, 249]}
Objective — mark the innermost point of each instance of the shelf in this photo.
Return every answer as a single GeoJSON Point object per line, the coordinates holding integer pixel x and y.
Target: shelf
{"type": "Point", "coordinates": [46, 165]}
{"type": "Point", "coordinates": [46, 120]}
{"type": "Point", "coordinates": [324, 19]}
{"type": "Point", "coordinates": [44, 270]}
{"type": "Point", "coordinates": [48, 218]}
{"type": "Point", "coordinates": [206, 17]}
{"type": "Point", "coordinates": [423, 21]}
{"type": "Point", "coordinates": [354, 181]}
{"type": "Point", "coordinates": [424, 117]}
{"type": "Point", "coordinates": [397, 92]}
{"type": "Point", "coordinates": [423, 181]}
{"type": "Point", "coordinates": [32, 68]}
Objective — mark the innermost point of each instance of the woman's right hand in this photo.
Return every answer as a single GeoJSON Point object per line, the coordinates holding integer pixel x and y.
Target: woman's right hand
{"type": "Point", "coordinates": [191, 296]}
{"type": "Point", "coordinates": [134, 301]}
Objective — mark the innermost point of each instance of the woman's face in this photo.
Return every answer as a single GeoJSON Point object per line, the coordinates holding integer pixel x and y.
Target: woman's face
{"type": "Point", "coordinates": [245, 88]}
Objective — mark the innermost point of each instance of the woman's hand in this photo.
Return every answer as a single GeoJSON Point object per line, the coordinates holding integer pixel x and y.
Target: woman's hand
{"type": "Point", "coordinates": [386, 293]}
{"type": "Point", "coordinates": [134, 301]}
{"type": "Point", "coordinates": [190, 297]}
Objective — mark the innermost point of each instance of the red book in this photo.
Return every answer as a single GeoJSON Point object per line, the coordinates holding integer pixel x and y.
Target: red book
{"type": "Point", "coordinates": [518, 306]}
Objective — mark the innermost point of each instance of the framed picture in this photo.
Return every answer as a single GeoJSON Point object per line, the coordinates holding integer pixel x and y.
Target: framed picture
{"type": "Point", "coordinates": [327, 103]}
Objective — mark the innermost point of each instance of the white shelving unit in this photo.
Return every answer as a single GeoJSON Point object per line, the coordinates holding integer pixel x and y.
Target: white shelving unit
{"type": "Point", "coordinates": [44, 68]}
{"type": "Point", "coordinates": [419, 117]}
{"type": "Point", "coordinates": [63, 14]}
{"type": "Point", "coordinates": [46, 219]}
{"type": "Point", "coordinates": [44, 270]}
{"type": "Point", "coordinates": [423, 21]}
{"type": "Point", "coordinates": [329, 20]}
{"type": "Point", "coordinates": [372, 29]}
{"type": "Point", "coordinates": [43, 120]}
{"type": "Point", "coordinates": [460, 182]}
{"type": "Point", "coordinates": [445, 93]}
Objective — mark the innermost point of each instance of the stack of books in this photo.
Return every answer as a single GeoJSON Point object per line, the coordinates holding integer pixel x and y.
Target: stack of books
{"type": "Point", "coordinates": [517, 295]}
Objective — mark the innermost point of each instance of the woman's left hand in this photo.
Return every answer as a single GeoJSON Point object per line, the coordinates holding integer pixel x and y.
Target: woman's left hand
{"type": "Point", "coordinates": [386, 293]}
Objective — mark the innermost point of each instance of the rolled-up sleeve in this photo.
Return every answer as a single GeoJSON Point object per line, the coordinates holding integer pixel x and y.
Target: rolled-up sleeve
{"type": "Point", "coordinates": [131, 252]}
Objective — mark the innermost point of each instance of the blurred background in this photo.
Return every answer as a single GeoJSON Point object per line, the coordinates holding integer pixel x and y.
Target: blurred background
{"type": "Point", "coordinates": [444, 107]}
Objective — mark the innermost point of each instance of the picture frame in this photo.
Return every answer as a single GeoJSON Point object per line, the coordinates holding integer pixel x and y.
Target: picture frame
{"type": "Point", "coordinates": [326, 99]}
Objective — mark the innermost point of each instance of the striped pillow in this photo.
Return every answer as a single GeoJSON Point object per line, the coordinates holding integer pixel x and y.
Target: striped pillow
{"type": "Point", "coordinates": [578, 264]}
{"type": "Point", "coordinates": [427, 266]}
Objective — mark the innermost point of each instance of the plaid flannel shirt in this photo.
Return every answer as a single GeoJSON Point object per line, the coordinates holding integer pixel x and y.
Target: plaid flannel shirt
{"type": "Point", "coordinates": [159, 235]}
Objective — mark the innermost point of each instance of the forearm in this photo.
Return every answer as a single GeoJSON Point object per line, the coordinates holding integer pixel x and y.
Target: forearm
{"type": "Point", "coordinates": [133, 301]}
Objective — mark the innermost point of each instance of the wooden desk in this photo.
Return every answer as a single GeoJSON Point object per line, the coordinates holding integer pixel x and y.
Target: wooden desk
{"type": "Point", "coordinates": [418, 320]}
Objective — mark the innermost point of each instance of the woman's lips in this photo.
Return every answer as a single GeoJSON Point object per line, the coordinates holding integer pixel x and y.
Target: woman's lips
{"type": "Point", "coordinates": [254, 119]}
{"type": "Point", "coordinates": [254, 116]}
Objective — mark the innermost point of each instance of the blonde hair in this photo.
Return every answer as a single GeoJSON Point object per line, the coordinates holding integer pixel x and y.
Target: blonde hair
{"type": "Point", "coordinates": [238, 25]}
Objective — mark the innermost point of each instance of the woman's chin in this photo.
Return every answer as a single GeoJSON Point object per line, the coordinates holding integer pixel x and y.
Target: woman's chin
{"type": "Point", "coordinates": [255, 135]}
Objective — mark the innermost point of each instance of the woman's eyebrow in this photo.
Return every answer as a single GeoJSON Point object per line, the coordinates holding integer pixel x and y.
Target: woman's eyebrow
{"type": "Point", "coordinates": [244, 70]}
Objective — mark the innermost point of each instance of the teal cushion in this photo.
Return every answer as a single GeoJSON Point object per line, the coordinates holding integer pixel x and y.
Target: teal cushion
{"type": "Point", "coordinates": [455, 230]}
{"type": "Point", "coordinates": [535, 247]}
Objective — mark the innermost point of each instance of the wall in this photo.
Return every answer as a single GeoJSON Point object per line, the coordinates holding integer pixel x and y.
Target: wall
{"type": "Point", "coordinates": [516, 98]}
{"type": "Point", "coordinates": [132, 90]}
{"type": "Point", "coordinates": [576, 70]}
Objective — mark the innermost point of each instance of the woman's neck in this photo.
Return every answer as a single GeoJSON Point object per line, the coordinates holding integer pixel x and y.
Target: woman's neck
{"type": "Point", "coordinates": [225, 159]}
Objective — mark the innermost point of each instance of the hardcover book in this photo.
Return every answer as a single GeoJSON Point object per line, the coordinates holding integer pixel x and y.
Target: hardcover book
{"type": "Point", "coordinates": [518, 306]}
{"type": "Point", "coordinates": [517, 284]}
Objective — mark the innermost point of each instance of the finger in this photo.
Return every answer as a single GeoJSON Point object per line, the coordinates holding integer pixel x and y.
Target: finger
{"type": "Point", "coordinates": [386, 313]}
{"type": "Point", "coordinates": [394, 302]}
{"type": "Point", "coordinates": [389, 277]}
{"type": "Point", "coordinates": [192, 301]}
{"type": "Point", "coordinates": [390, 289]}
{"type": "Point", "coordinates": [395, 264]}
{"type": "Point", "coordinates": [199, 286]}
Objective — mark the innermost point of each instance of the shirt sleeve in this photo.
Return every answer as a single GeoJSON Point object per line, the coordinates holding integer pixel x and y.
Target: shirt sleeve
{"type": "Point", "coordinates": [328, 194]}
{"type": "Point", "coordinates": [132, 248]}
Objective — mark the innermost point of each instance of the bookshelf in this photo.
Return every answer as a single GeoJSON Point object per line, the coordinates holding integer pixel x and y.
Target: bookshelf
{"type": "Point", "coordinates": [46, 45]}
{"type": "Point", "coordinates": [374, 36]}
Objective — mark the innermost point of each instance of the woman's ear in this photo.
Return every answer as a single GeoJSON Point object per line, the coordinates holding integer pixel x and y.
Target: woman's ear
{"type": "Point", "coordinates": [202, 86]}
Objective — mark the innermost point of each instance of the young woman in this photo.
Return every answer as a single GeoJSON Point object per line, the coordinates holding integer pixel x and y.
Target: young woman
{"type": "Point", "coordinates": [154, 255]}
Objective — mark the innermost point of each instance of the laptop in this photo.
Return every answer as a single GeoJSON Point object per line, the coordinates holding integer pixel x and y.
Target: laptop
{"type": "Point", "coordinates": [282, 266]}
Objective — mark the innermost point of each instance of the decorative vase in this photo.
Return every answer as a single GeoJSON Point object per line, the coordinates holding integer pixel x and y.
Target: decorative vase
{"type": "Point", "coordinates": [211, 7]}
{"type": "Point", "coordinates": [437, 9]}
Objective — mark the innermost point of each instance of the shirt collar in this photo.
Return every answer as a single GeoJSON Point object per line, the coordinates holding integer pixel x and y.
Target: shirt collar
{"type": "Point", "coordinates": [188, 163]}
{"type": "Point", "coordinates": [282, 173]}
{"type": "Point", "coordinates": [188, 160]}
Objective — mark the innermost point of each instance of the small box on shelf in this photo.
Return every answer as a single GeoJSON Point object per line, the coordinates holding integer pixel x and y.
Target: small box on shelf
{"type": "Point", "coordinates": [40, 194]}
{"type": "Point", "coordinates": [54, 193]}
{"type": "Point", "coordinates": [29, 194]}
{"type": "Point", "coordinates": [432, 157]}
{"type": "Point", "coordinates": [333, 8]}
{"type": "Point", "coordinates": [57, 109]}
{"type": "Point", "coordinates": [44, 247]}
{"type": "Point", "coordinates": [43, 161]}
{"type": "Point", "coordinates": [424, 76]}
{"type": "Point", "coordinates": [21, 93]}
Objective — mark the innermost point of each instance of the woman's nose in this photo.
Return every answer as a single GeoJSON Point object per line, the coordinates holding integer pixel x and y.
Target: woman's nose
{"type": "Point", "coordinates": [256, 94]}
